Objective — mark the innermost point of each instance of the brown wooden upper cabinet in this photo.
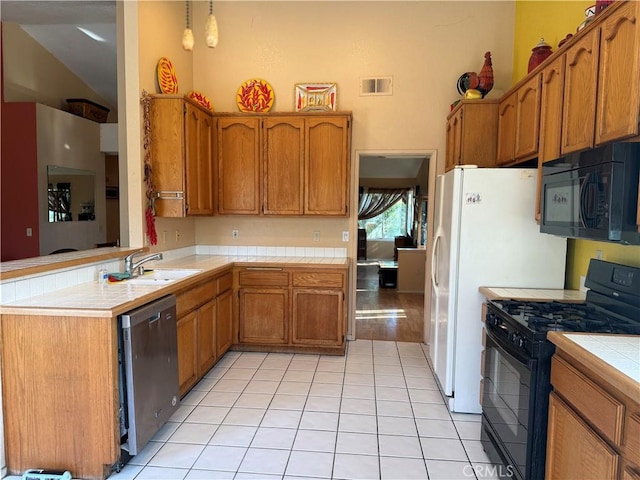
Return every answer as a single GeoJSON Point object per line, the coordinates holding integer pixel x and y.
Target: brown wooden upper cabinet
{"type": "Point", "coordinates": [294, 164]}
{"type": "Point", "coordinates": [181, 156]}
{"type": "Point", "coordinates": [581, 80]}
{"type": "Point", "coordinates": [618, 104]}
{"type": "Point", "coordinates": [552, 95]}
{"type": "Point", "coordinates": [326, 163]}
{"type": "Point", "coordinates": [238, 165]}
{"type": "Point", "coordinates": [472, 127]}
{"type": "Point", "coordinates": [518, 123]}
{"type": "Point", "coordinates": [602, 98]}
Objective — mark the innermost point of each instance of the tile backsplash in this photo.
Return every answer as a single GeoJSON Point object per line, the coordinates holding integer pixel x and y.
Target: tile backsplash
{"type": "Point", "coordinates": [38, 284]}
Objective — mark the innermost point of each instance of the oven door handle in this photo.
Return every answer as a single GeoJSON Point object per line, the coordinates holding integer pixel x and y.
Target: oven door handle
{"type": "Point", "coordinates": [519, 357]}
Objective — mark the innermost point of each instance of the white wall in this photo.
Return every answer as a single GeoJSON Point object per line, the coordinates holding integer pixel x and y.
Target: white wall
{"type": "Point", "coordinates": [67, 140]}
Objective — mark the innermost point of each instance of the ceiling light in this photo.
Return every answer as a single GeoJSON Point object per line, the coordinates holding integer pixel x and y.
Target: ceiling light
{"type": "Point", "coordinates": [211, 28]}
{"type": "Point", "coordinates": [187, 35]}
{"type": "Point", "coordinates": [91, 34]}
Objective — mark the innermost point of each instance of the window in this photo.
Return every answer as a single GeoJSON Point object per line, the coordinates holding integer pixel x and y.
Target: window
{"type": "Point", "coordinates": [393, 222]}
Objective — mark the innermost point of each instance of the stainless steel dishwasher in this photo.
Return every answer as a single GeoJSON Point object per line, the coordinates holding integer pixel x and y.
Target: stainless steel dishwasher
{"type": "Point", "coordinates": [149, 389]}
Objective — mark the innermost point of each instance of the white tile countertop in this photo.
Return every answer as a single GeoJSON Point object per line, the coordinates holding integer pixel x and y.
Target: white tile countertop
{"type": "Point", "coordinates": [622, 352]}
{"type": "Point", "coordinates": [92, 299]}
{"type": "Point", "coordinates": [615, 358]}
{"type": "Point", "coordinates": [533, 294]}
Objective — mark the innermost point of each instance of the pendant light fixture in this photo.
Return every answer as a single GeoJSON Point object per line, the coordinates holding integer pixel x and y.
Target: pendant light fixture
{"type": "Point", "coordinates": [187, 35]}
{"type": "Point", "coordinates": [211, 29]}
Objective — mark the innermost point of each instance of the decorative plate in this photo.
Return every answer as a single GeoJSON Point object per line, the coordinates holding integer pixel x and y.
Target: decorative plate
{"type": "Point", "coordinates": [200, 98]}
{"type": "Point", "coordinates": [255, 95]}
{"type": "Point", "coordinates": [167, 80]}
{"type": "Point", "coordinates": [315, 96]}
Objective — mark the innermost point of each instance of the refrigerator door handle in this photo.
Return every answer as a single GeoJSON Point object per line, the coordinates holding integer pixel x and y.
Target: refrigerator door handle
{"type": "Point", "coordinates": [434, 264]}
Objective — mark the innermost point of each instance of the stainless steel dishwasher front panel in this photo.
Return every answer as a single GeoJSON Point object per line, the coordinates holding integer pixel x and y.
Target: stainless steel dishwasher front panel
{"type": "Point", "coordinates": [150, 350]}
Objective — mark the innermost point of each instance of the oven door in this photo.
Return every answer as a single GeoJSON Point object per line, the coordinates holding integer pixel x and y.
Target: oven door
{"type": "Point", "coordinates": [505, 404]}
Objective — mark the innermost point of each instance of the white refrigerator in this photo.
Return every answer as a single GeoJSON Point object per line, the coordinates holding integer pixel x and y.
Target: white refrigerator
{"type": "Point", "coordinates": [485, 234]}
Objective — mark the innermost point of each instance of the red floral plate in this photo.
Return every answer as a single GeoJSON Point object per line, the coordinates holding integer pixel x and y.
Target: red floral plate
{"type": "Point", "coordinates": [255, 95]}
{"type": "Point", "coordinates": [200, 98]}
{"type": "Point", "coordinates": [167, 80]}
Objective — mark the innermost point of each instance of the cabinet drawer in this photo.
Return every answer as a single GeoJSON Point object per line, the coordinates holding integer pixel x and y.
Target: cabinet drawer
{"type": "Point", "coordinates": [598, 407]}
{"type": "Point", "coordinates": [224, 283]}
{"type": "Point", "coordinates": [194, 297]}
{"type": "Point", "coordinates": [318, 279]}
{"type": "Point", "coordinates": [632, 437]}
{"type": "Point", "coordinates": [266, 277]}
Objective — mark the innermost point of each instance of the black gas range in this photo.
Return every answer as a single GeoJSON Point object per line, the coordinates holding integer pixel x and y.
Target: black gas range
{"type": "Point", "coordinates": [517, 361]}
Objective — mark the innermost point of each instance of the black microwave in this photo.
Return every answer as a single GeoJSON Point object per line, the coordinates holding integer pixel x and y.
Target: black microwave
{"type": "Point", "coordinates": [593, 194]}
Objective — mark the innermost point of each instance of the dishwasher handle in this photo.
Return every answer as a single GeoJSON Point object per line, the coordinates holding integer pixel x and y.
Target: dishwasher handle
{"type": "Point", "coordinates": [151, 312]}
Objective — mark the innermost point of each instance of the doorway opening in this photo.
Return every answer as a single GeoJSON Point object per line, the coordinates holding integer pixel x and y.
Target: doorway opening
{"type": "Point", "coordinates": [391, 250]}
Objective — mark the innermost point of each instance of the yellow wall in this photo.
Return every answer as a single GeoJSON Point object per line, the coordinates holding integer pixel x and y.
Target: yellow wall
{"type": "Point", "coordinates": [553, 20]}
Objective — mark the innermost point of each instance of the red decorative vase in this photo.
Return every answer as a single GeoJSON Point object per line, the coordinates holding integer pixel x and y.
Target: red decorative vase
{"type": "Point", "coordinates": [538, 54]}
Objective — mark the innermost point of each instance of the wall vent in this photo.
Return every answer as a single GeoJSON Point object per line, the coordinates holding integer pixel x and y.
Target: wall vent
{"type": "Point", "coordinates": [376, 86]}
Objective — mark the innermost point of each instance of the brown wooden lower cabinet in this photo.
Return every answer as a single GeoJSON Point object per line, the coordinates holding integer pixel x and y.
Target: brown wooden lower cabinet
{"type": "Point", "coordinates": [292, 309]}
{"type": "Point", "coordinates": [187, 351]}
{"type": "Point", "coordinates": [264, 315]}
{"type": "Point", "coordinates": [199, 316]}
{"type": "Point", "coordinates": [574, 451]}
{"type": "Point", "coordinates": [317, 317]}
{"type": "Point", "coordinates": [224, 322]}
{"type": "Point", "coordinates": [594, 418]}
{"type": "Point", "coordinates": [60, 394]}
{"type": "Point", "coordinates": [207, 354]}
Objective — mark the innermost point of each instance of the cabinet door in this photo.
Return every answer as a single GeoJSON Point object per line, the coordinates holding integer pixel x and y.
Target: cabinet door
{"type": "Point", "coordinates": [507, 130]}
{"type": "Point", "coordinates": [224, 322]}
{"type": "Point", "coordinates": [187, 351]}
{"type": "Point", "coordinates": [618, 80]}
{"type": "Point", "coordinates": [318, 317]}
{"type": "Point", "coordinates": [198, 163]}
{"type": "Point", "coordinates": [573, 449]}
{"type": "Point", "coordinates": [454, 140]}
{"type": "Point", "coordinates": [263, 315]}
{"type": "Point", "coordinates": [238, 166]}
{"type": "Point", "coordinates": [283, 171]}
{"type": "Point", "coordinates": [206, 337]}
{"type": "Point", "coordinates": [552, 94]}
{"type": "Point", "coordinates": [581, 79]}
{"type": "Point", "coordinates": [326, 165]}
{"type": "Point", "coordinates": [168, 155]}
{"type": "Point", "coordinates": [528, 118]}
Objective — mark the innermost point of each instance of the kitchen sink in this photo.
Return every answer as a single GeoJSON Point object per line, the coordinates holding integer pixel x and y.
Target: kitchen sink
{"type": "Point", "coordinates": [162, 276]}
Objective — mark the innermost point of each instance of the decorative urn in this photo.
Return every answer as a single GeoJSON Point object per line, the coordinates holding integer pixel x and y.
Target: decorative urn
{"type": "Point", "coordinates": [538, 54]}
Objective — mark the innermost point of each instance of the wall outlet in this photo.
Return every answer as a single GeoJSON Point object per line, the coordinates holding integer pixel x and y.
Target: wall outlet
{"type": "Point", "coordinates": [29, 232]}
{"type": "Point", "coordinates": [316, 236]}
{"type": "Point", "coordinates": [599, 254]}
{"type": "Point", "coordinates": [345, 236]}
{"type": "Point", "coordinates": [164, 236]}
{"type": "Point", "coordinates": [177, 235]}
{"type": "Point", "coordinates": [235, 234]}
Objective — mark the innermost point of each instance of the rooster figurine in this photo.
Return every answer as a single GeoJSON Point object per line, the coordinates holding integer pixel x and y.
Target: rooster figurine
{"type": "Point", "coordinates": [485, 77]}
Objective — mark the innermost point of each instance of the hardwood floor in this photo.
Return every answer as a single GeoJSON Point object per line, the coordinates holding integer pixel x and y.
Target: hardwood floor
{"type": "Point", "coordinates": [385, 314]}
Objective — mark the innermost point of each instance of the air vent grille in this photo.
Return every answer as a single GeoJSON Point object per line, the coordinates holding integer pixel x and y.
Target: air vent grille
{"type": "Point", "coordinates": [376, 86]}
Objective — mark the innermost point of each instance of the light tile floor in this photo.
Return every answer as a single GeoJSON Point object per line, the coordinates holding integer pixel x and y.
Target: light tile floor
{"type": "Point", "coordinates": [375, 413]}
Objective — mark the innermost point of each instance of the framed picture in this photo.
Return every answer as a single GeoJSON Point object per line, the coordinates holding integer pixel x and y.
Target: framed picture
{"type": "Point", "coordinates": [315, 96]}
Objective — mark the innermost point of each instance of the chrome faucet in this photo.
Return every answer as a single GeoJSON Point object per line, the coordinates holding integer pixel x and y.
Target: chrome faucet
{"type": "Point", "coordinates": [133, 268]}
